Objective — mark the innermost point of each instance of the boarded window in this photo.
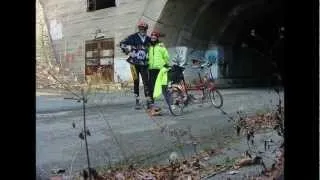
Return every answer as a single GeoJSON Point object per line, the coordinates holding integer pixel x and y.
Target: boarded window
{"type": "Point", "coordinates": [93, 5]}
{"type": "Point", "coordinates": [99, 59]}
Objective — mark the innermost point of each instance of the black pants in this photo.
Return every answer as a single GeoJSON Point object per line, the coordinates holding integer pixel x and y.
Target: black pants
{"type": "Point", "coordinates": [143, 71]}
{"type": "Point", "coordinates": [153, 74]}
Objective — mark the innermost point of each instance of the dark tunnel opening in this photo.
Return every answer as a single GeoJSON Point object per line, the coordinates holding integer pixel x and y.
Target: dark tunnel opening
{"type": "Point", "coordinates": [258, 44]}
{"type": "Point", "coordinates": [227, 25]}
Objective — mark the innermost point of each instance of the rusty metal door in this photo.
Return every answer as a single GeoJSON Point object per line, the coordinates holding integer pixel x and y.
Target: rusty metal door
{"type": "Point", "coordinates": [99, 61]}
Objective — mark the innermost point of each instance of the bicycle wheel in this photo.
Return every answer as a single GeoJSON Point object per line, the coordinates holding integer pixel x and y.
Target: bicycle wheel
{"type": "Point", "coordinates": [216, 98]}
{"type": "Point", "coordinates": [174, 99]}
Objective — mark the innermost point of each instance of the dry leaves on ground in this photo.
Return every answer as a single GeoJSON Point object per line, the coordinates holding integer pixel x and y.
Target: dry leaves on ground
{"type": "Point", "coordinates": [181, 170]}
{"type": "Point", "coordinates": [276, 170]}
{"type": "Point", "coordinates": [267, 120]}
{"type": "Point", "coordinates": [261, 121]}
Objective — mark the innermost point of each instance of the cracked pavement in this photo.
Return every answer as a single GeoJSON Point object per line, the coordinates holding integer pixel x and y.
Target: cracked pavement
{"type": "Point", "coordinates": [58, 145]}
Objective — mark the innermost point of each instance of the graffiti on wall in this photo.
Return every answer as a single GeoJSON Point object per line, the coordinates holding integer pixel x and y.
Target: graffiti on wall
{"type": "Point", "coordinates": [56, 30]}
{"type": "Point", "coordinates": [195, 54]}
{"type": "Point", "coordinates": [178, 54]}
{"type": "Point", "coordinates": [190, 56]}
{"type": "Point", "coordinates": [71, 53]}
{"type": "Point", "coordinates": [210, 55]}
{"type": "Point", "coordinates": [184, 54]}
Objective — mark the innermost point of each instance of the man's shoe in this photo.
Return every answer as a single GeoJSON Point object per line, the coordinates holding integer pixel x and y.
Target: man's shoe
{"type": "Point", "coordinates": [154, 107]}
{"type": "Point", "coordinates": [138, 105]}
{"type": "Point", "coordinates": [157, 108]}
{"type": "Point", "coordinates": [149, 104]}
{"type": "Point", "coordinates": [153, 112]}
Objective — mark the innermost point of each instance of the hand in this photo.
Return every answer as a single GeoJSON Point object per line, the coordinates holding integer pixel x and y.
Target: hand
{"type": "Point", "coordinates": [128, 48]}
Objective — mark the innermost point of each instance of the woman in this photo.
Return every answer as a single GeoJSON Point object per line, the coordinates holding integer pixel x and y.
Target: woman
{"type": "Point", "coordinates": [158, 57]}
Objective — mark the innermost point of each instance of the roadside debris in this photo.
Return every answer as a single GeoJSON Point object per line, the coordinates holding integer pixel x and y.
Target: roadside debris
{"type": "Point", "coordinates": [233, 172]}
{"type": "Point", "coordinates": [176, 169]}
{"type": "Point", "coordinates": [199, 166]}
{"type": "Point", "coordinates": [247, 161]}
{"type": "Point", "coordinates": [276, 170]}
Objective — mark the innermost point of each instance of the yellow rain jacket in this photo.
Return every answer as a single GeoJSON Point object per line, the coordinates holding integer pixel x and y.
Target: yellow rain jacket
{"type": "Point", "coordinates": [162, 79]}
{"type": "Point", "coordinates": [158, 56]}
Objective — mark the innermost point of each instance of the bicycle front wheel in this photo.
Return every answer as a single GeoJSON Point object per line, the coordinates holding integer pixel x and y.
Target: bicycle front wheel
{"type": "Point", "coordinates": [174, 99]}
{"type": "Point", "coordinates": [216, 98]}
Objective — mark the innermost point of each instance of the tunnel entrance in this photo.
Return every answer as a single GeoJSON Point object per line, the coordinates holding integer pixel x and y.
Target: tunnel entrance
{"type": "Point", "coordinates": [245, 59]}
{"type": "Point", "coordinates": [258, 46]}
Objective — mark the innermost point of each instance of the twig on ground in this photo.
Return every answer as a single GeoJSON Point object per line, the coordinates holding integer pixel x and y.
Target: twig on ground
{"type": "Point", "coordinates": [74, 156]}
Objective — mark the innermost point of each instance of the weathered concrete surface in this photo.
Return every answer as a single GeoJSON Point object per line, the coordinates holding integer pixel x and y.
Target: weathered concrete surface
{"type": "Point", "coordinates": [57, 142]}
{"type": "Point", "coordinates": [196, 24]}
{"type": "Point", "coordinates": [52, 101]}
{"type": "Point", "coordinates": [237, 149]}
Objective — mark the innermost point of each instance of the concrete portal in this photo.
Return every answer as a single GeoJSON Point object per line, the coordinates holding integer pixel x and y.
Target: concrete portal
{"type": "Point", "coordinates": [225, 25]}
{"type": "Point", "coordinates": [215, 30]}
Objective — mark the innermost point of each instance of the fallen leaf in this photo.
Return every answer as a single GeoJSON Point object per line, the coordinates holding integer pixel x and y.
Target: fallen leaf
{"type": "Point", "coordinates": [73, 124]}
{"type": "Point", "coordinates": [244, 162]}
{"type": "Point", "coordinates": [120, 176]}
{"type": "Point", "coordinates": [233, 172]}
{"type": "Point", "coordinates": [81, 136]}
{"type": "Point", "coordinates": [206, 158]}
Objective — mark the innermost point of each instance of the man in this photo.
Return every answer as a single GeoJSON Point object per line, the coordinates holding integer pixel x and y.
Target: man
{"type": "Point", "coordinates": [158, 57]}
{"type": "Point", "coordinates": [136, 45]}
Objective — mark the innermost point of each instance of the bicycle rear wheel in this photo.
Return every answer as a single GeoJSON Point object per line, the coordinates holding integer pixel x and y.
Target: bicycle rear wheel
{"type": "Point", "coordinates": [216, 98]}
{"type": "Point", "coordinates": [174, 98]}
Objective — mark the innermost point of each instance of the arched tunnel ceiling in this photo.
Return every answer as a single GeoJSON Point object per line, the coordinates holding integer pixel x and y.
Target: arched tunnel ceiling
{"type": "Point", "coordinates": [262, 16]}
{"type": "Point", "coordinates": [176, 16]}
{"type": "Point", "coordinates": [214, 17]}
{"type": "Point", "coordinates": [208, 20]}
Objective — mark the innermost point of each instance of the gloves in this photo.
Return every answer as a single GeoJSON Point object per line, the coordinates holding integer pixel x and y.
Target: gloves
{"type": "Point", "coordinates": [125, 48]}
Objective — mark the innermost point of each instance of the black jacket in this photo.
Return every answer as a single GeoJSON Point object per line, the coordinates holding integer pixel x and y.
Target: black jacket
{"type": "Point", "coordinates": [139, 50]}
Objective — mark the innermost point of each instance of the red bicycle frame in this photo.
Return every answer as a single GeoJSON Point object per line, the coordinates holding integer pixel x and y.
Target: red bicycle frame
{"type": "Point", "coordinates": [201, 86]}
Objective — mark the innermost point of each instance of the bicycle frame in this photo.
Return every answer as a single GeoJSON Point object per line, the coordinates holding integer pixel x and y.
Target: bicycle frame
{"type": "Point", "coordinates": [203, 83]}
{"type": "Point", "coordinates": [180, 91]}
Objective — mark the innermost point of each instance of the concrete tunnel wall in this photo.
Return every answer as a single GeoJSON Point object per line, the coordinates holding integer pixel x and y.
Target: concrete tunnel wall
{"type": "Point", "coordinates": [202, 25]}
{"type": "Point", "coordinates": [192, 30]}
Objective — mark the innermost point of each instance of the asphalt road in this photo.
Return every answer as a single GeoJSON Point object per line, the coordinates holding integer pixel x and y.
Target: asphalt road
{"type": "Point", "coordinates": [58, 144]}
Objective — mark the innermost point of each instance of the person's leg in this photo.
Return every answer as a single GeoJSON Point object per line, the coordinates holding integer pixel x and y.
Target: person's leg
{"type": "Point", "coordinates": [145, 79]}
{"type": "Point", "coordinates": [153, 73]}
{"type": "Point", "coordinates": [135, 75]}
{"type": "Point", "coordinates": [136, 85]}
